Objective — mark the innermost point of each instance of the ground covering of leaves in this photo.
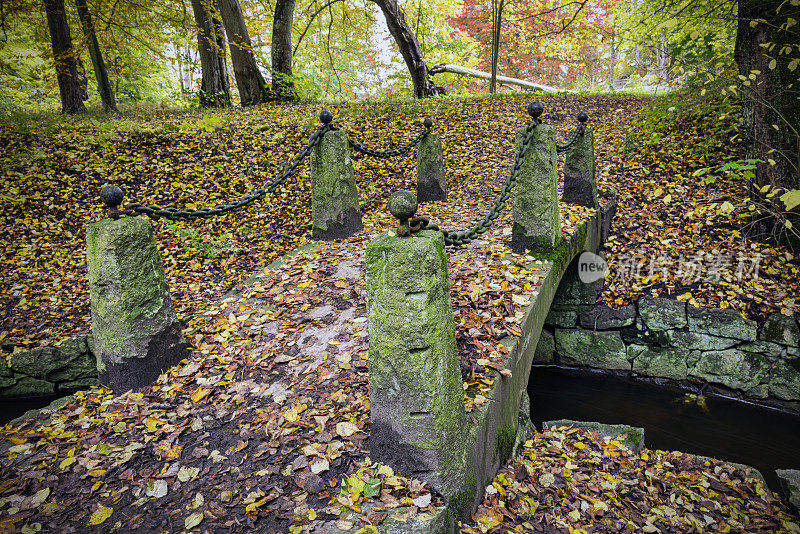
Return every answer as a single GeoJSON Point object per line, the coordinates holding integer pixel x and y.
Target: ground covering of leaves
{"type": "Point", "coordinates": [569, 480]}
{"type": "Point", "coordinates": [262, 427]}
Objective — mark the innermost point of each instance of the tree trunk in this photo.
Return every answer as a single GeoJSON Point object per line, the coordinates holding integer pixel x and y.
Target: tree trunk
{"type": "Point", "coordinates": [771, 97]}
{"type": "Point", "coordinates": [497, 21]}
{"type": "Point", "coordinates": [614, 46]}
{"type": "Point", "coordinates": [214, 89]}
{"type": "Point", "coordinates": [100, 72]}
{"type": "Point", "coordinates": [282, 49]}
{"type": "Point", "coordinates": [251, 84]}
{"type": "Point", "coordinates": [409, 47]}
{"type": "Point", "coordinates": [73, 93]}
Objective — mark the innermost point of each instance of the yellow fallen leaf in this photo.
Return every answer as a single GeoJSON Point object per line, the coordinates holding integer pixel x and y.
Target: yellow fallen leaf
{"type": "Point", "coordinates": [200, 394]}
{"type": "Point", "coordinates": [66, 462]}
{"type": "Point", "coordinates": [101, 514]}
{"type": "Point", "coordinates": [346, 429]}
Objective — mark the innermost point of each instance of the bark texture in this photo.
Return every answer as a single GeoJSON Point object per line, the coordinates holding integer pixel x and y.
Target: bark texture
{"type": "Point", "coordinates": [772, 97]}
{"type": "Point", "coordinates": [282, 49]}
{"type": "Point", "coordinates": [214, 89]}
{"type": "Point", "coordinates": [251, 84]}
{"type": "Point", "coordinates": [68, 65]}
{"type": "Point", "coordinates": [100, 71]}
{"type": "Point", "coordinates": [409, 47]}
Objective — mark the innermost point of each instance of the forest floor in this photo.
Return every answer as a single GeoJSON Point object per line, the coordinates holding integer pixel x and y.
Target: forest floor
{"type": "Point", "coordinates": [259, 427]}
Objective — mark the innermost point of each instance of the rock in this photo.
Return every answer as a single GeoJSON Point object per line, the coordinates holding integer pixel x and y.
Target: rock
{"type": "Point", "coordinates": [545, 348]}
{"type": "Point", "coordinates": [723, 323]}
{"type": "Point", "coordinates": [573, 293]}
{"type": "Point", "coordinates": [601, 317]}
{"type": "Point", "coordinates": [38, 362]}
{"type": "Point", "coordinates": [580, 186]}
{"type": "Point", "coordinates": [77, 384]}
{"type": "Point", "coordinates": [733, 368]}
{"type": "Point", "coordinates": [334, 197]}
{"type": "Point", "coordinates": [83, 366]}
{"type": "Point", "coordinates": [431, 181]}
{"type": "Point", "coordinates": [660, 362]}
{"type": "Point", "coordinates": [779, 328]}
{"type": "Point", "coordinates": [659, 313]}
{"type": "Point", "coordinates": [27, 386]}
{"type": "Point", "coordinates": [634, 436]}
{"type": "Point", "coordinates": [784, 381]}
{"type": "Point", "coordinates": [6, 381]}
{"type": "Point", "coordinates": [789, 481]}
{"type": "Point", "coordinates": [562, 318]}
{"type": "Point", "coordinates": [537, 219]}
{"type": "Point", "coordinates": [770, 350]}
{"type": "Point", "coordinates": [697, 341]}
{"type": "Point", "coordinates": [592, 349]}
{"type": "Point", "coordinates": [136, 333]}
{"type": "Point", "coordinates": [415, 384]}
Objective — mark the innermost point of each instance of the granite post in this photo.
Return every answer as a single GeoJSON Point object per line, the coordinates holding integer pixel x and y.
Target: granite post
{"type": "Point", "coordinates": [431, 181]}
{"type": "Point", "coordinates": [537, 221]}
{"type": "Point", "coordinates": [136, 333]}
{"type": "Point", "coordinates": [334, 197]}
{"type": "Point", "coordinates": [580, 186]}
{"type": "Point", "coordinates": [416, 394]}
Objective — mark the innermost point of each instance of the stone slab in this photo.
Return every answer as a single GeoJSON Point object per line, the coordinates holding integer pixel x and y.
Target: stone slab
{"type": "Point", "coordinates": [590, 348]}
{"type": "Point", "coordinates": [660, 313]}
{"type": "Point", "coordinates": [601, 317]}
{"type": "Point", "coordinates": [723, 323]}
{"type": "Point", "coordinates": [634, 436]}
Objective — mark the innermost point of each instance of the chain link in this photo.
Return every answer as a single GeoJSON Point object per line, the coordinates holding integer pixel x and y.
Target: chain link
{"type": "Point", "coordinates": [392, 152]}
{"type": "Point", "coordinates": [461, 238]}
{"type": "Point", "coordinates": [156, 212]}
{"type": "Point", "coordinates": [576, 133]}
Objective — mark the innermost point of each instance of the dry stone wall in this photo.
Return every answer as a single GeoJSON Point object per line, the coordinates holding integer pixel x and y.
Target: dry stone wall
{"type": "Point", "coordinates": [48, 370]}
{"type": "Point", "coordinates": [663, 338]}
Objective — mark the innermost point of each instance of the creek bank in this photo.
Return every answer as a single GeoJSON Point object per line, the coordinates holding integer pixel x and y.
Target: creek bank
{"type": "Point", "coordinates": [717, 350]}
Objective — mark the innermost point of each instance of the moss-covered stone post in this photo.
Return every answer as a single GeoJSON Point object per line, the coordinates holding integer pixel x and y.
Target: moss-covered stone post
{"type": "Point", "coordinates": [334, 197]}
{"type": "Point", "coordinates": [537, 221]}
{"type": "Point", "coordinates": [431, 181]}
{"type": "Point", "coordinates": [580, 186]}
{"type": "Point", "coordinates": [137, 335]}
{"type": "Point", "coordinates": [416, 396]}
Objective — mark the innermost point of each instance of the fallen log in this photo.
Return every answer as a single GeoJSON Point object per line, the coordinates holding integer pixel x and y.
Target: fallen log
{"type": "Point", "coordinates": [457, 69]}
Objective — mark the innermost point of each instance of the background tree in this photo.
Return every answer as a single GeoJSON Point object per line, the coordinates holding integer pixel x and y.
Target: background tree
{"type": "Point", "coordinates": [214, 89]}
{"type": "Point", "coordinates": [282, 83]}
{"type": "Point", "coordinates": [252, 87]}
{"type": "Point", "coordinates": [67, 64]}
{"type": "Point", "coordinates": [100, 72]}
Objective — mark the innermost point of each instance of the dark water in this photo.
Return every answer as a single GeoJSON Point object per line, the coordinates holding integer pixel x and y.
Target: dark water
{"type": "Point", "coordinates": [11, 409]}
{"type": "Point", "coordinates": [731, 430]}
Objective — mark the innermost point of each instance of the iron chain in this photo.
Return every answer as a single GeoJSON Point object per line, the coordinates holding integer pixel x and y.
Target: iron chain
{"type": "Point", "coordinates": [576, 133]}
{"type": "Point", "coordinates": [392, 152]}
{"type": "Point", "coordinates": [461, 238]}
{"type": "Point", "coordinates": [172, 213]}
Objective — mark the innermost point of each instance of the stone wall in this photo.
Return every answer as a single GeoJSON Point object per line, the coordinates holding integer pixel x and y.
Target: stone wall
{"type": "Point", "coordinates": [662, 338]}
{"type": "Point", "coordinates": [49, 370]}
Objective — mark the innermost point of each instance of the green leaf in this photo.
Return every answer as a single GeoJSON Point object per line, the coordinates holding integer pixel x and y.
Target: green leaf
{"type": "Point", "coordinates": [372, 488]}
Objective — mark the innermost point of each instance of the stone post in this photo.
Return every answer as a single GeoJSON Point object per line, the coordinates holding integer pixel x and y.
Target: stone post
{"type": "Point", "coordinates": [431, 182]}
{"type": "Point", "coordinates": [537, 220]}
{"type": "Point", "coordinates": [136, 333]}
{"type": "Point", "coordinates": [334, 197]}
{"type": "Point", "coordinates": [580, 186]}
{"type": "Point", "coordinates": [415, 387]}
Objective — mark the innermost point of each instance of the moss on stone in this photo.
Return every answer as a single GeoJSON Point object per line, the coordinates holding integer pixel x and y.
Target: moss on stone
{"type": "Point", "coordinates": [504, 441]}
{"type": "Point", "coordinates": [462, 498]}
{"type": "Point", "coordinates": [634, 435]}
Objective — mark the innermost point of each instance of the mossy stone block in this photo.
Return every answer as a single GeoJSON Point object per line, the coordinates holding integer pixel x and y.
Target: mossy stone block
{"type": "Point", "coordinates": [659, 313]}
{"type": "Point", "coordinates": [416, 394]}
{"type": "Point", "coordinates": [580, 186]}
{"type": "Point", "coordinates": [589, 348]}
{"type": "Point", "coordinates": [784, 381]}
{"type": "Point", "coordinates": [431, 180]}
{"type": "Point", "coordinates": [334, 197]}
{"type": "Point", "coordinates": [661, 362]}
{"type": "Point", "coordinates": [723, 323]}
{"type": "Point", "coordinates": [545, 348]}
{"type": "Point", "coordinates": [136, 333]}
{"type": "Point", "coordinates": [781, 329]}
{"type": "Point", "coordinates": [537, 220]}
{"type": "Point", "coordinates": [733, 368]}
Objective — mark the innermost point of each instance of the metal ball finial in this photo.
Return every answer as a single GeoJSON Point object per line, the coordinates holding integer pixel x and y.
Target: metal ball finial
{"type": "Point", "coordinates": [403, 205]}
{"type": "Point", "coordinates": [428, 123]}
{"type": "Point", "coordinates": [583, 117]}
{"type": "Point", "coordinates": [326, 116]}
{"type": "Point", "coordinates": [535, 109]}
{"type": "Point", "coordinates": [111, 195]}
